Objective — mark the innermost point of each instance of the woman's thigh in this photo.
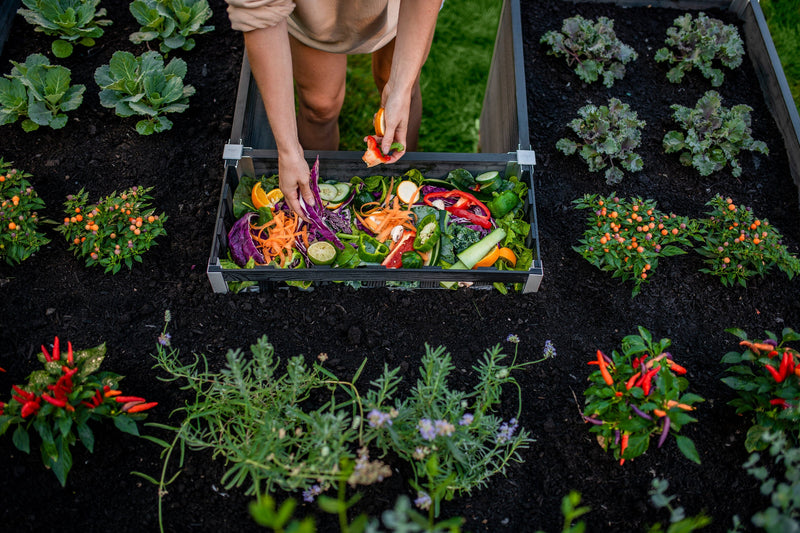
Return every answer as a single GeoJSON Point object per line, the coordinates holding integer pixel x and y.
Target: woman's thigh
{"type": "Point", "coordinates": [319, 79]}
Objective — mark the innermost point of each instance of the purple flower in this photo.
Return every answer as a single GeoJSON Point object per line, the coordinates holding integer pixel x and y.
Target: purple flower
{"type": "Point", "coordinates": [164, 338]}
{"type": "Point", "coordinates": [426, 429]}
{"type": "Point", "coordinates": [444, 428]}
{"type": "Point", "coordinates": [378, 419]}
{"type": "Point", "coordinates": [466, 419]}
{"type": "Point", "coordinates": [549, 349]}
{"type": "Point", "coordinates": [423, 501]}
{"type": "Point", "coordinates": [311, 493]}
{"type": "Point", "coordinates": [506, 431]}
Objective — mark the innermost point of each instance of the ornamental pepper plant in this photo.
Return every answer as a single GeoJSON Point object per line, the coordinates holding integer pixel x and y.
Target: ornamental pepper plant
{"type": "Point", "coordinates": [115, 231]}
{"type": "Point", "coordinates": [628, 236]}
{"type": "Point", "coordinates": [19, 216]}
{"type": "Point", "coordinates": [59, 400]}
{"type": "Point", "coordinates": [636, 393]}
{"type": "Point", "coordinates": [766, 378]}
{"type": "Point", "coordinates": [737, 245]}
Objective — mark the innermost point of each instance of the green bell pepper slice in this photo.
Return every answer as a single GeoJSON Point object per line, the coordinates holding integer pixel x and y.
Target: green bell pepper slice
{"type": "Point", "coordinates": [411, 259]}
{"type": "Point", "coordinates": [371, 250]}
{"type": "Point", "coordinates": [428, 233]}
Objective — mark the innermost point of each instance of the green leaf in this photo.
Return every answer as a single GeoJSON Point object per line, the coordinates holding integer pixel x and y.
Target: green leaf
{"type": "Point", "coordinates": [86, 436]}
{"type": "Point", "coordinates": [21, 439]}
{"type": "Point", "coordinates": [61, 48]}
{"type": "Point", "coordinates": [331, 505]}
{"type": "Point", "coordinates": [124, 423]}
{"type": "Point", "coordinates": [687, 448]}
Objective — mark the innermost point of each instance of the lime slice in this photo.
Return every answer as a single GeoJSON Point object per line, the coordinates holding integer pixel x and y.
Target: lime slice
{"type": "Point", "coordinates": [322, 253]}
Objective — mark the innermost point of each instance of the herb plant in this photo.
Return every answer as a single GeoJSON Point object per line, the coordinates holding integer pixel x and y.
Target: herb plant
{"type": "Point", "coordinates": [19, 218]}
{"type": "Point", "coordinates": [115, 231]}
{"type": "Point", "coordinates": [173, 22]}
{"type": "Point", "coordinates": [453, 439]}
{"type": "Point", "coordinates": [697, 43]}
{"type": "Point", "coordinates": [712, 135]}
{"type": "Point", "coordinates": [39, 93]}
{"type": "Point", "coordinates": [783, 514]}
{"type": "Point", "coordinates": [71, 21]}
{"type": "Point", "coordinates": [764, 377]}
{"type": "Point", "coordinates": [59, 401]}
{"type": "Point", "coordinates": [592, 47]}
{"type": "Point", "coordinates": [608, 137]}
{"type": "Point", "coordinates": [738, 246]}
{"type": "Point", "coordinates": [628, 237]}
{"type": "Point", "coordinates": [637, 393]}
{"type": "Point", "coordinates": [144, 86]}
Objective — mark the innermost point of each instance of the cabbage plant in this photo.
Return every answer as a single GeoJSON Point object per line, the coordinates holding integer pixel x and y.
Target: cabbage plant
{"type": "Point", "coordinates": [144, 86]}
{"type": "Point", "coordinates": [171, 21]}
{"type": "Point", "coordinates": [39, 93]}
{"type": "Point", "coordinates": [72, 21]}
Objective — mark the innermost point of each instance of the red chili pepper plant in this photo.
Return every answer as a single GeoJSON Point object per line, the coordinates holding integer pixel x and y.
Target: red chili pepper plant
{"type": "Point", "coordinates": [765, 376]}
{"type": "Point", "coordinates": [59, 401]}
{"type": "Point", "coordinates": [637, 393]}
{"type": "Point", "coordinates": [628, 236]}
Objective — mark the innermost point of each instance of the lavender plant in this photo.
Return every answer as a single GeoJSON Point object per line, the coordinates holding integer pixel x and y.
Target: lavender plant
{"type": "Point", "coordinates": [712, 135]}
{"type": "Point", "coordinates": [592, 47]}
{"type": "Point", "coordinates": [608, 134]}
{"type": "Point", "coordinates": [697, 43]}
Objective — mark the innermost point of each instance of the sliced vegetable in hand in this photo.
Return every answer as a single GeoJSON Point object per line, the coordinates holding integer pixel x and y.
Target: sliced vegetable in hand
{"type": "Point", "coordinates": [373, 156]}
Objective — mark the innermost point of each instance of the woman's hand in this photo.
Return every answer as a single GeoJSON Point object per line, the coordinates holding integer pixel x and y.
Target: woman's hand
{"type": "Point", "coordinates": [293, 180]}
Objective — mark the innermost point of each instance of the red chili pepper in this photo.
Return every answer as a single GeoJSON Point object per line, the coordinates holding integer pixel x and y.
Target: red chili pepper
{"type": "Point", "coordinates": [675, 367]}
{"type": "Point", "coordinates": [779, 401]}
{"type": "Point", "coordinates": [632, 380]}
{"type": "Point", "coordinates": [70, 357]}
{"type": "Point", "coordinates": [28, 396]}
{"type": "Point", "coordinates": [55, 401]}
{"type": "Point", "coordinates": [126, 406]}
{"type": "Point", "coordinates": [775, 374]}
{"type": "Point", "coordinates": [603, 370]}
{"type": "Point", "coordinates": [30, 408]}
{"type": "Point", "coordinates": [142, 407]}
{"type": "Point", "coordinates": [648, 378]}
{"type": "Point", "coordinates": [464, 206]}
{"type": "Point", "coordinates": [126, 399]}
{"type": "Point", "coordinates": [772, 354]}
{"type": "Point", "coordinates": [47, 356]}
{"type": "Point", "coordinates": [623, 447]}
{"type": "Point", "coordinates": [56, 349]}
{"type": "Point", "coordinates": [783, 371]}
{"type": "Point", "coordinates": [109, 393]}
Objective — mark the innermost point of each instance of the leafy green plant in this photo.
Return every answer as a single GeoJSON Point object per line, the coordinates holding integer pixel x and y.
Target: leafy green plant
{"type": "Point", "coordinates": [71, 21]}
{"type": "Point", "coordinates": [59, 401]}
{"type": "Point", "coordinates": [712, 135]}
{"type": "Point", "coordinates": [452, 439]}
{"type": "Point", "coordinates": [608, 137]}
{"type": "Point", "coordinates": [592, 47]}
{"type": "Point", "coordinates": [764, 377]}
{"type": "Point", "coordinates": [19, 218]}
{"type": "Point", "coordinates": [115, 231]}
{"type": "Point", "coordinates": [678, 521]}
{"type": "Point", "coordinates": [697, 43]}
{"type": "Point", "coordinates": [783, 514]}
{"type": "Point", "coordinates": [738, 246]}
{"type": "Point", "coordinates": [628, 237]}
{"type": "Point", "coordinates": [39, 93]}
{"type": "Point", "coordinates": [173, 22]}
{"type": "Point", "coordinates": [144, 86]}
{"type": "Point", "coordinates": [571, 512]}
{"type": "Point", "coordinates": [637, 393]}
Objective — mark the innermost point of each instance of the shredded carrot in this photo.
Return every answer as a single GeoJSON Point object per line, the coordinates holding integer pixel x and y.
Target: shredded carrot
{"type": "Point", "coordinates": [282, 233]}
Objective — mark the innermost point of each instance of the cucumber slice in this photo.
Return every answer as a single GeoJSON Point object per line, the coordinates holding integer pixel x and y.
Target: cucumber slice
{"type": "Point", "coordinates": [322, 253]}
{"type": "Point", "coordinates": [342, 192]}
{"type": "Point", "coordinates": [488, 181]}
{"type": "Point", "coordinates": [329, 192]}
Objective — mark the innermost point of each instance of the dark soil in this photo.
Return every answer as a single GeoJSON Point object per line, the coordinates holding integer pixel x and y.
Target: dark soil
{"type": "Point", "coordinates": [577, 307]}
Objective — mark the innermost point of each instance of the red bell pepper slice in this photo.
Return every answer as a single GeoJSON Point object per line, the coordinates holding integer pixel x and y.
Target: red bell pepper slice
{"type": "Point", "coordinates": [373, 156]}
{"type": "Point", "coordinates": [463, 206]}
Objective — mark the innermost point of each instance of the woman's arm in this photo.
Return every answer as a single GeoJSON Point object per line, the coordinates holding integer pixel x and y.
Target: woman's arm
{"type": "Point", "coordinates": [271, 65]}
{"type": "Point", "coordinates": [415, 28]}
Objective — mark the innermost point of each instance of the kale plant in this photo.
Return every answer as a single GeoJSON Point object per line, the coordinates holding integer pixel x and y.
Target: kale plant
{"type": "Point", "coordinates": [714, 135]}
{"type": "Point", "coordinates": [70, 20]}
{"type": "Point", "coordinates": [697, 43]}
{"type": "Point", "coordinates": [592, 47]}
{"type": "Point", "coordinates": [609, 135]}
{"type": "Point", "coordinates": [144, 86]}
{"type": "Point", "coordinates": [39, 93]}
{"type": "Point", "coordinates": [171, 21]}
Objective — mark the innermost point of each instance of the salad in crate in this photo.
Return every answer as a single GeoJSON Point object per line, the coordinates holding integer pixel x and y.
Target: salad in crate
{"type": "Point", "coordinates": [459, 221]}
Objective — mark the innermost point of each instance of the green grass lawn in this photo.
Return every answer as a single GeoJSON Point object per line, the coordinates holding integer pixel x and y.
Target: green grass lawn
{"type": "Point", "coordinates": [453, 81]}
{"type": "Point", "coordinates": [783, 18]}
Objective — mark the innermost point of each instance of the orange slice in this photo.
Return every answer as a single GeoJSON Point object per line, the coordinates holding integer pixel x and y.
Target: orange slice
{"type": "Point", "coordinates": [379, 122]}
{"type": "Point", "coordinates": [260, 198]}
